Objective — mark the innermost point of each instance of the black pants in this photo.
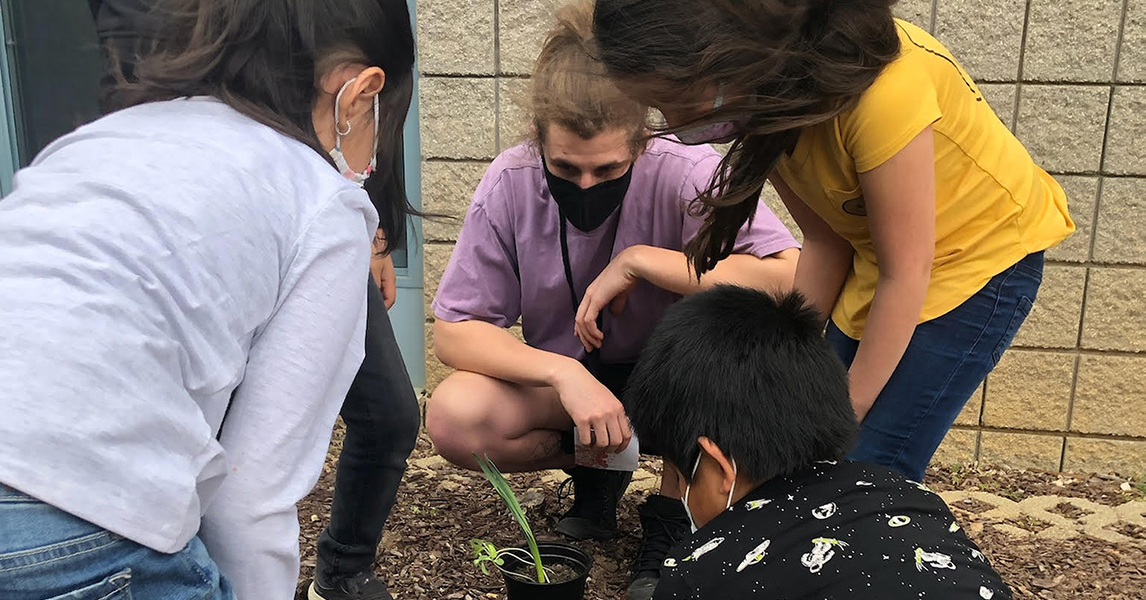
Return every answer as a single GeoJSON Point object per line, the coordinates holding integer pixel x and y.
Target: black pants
{"type": "Point", "coordinates": [382, 421]}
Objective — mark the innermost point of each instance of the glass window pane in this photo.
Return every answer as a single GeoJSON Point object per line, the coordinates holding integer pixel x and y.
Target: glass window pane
{"type": "Point", "coordinates": [56, 67]}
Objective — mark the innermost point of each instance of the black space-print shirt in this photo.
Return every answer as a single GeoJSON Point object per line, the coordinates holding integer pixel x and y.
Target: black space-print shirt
{"type": "Point", "coordinates": [833, 531]}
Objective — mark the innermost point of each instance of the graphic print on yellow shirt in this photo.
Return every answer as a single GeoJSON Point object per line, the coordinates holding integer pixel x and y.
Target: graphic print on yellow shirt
{"type": "Point", "coordinates": [993, 204]}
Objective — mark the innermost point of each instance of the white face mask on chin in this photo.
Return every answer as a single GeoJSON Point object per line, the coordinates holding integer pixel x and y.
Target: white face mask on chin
{"type": "Point", "coordinates": [336, 153]}
{"type": "Point", "coordinates": [715, 133]}
{"type": "Point", "coordinates": [684, 500]}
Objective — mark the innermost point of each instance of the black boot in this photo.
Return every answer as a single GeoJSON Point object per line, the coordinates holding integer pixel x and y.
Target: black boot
{"type": "Point", "coordinates": [663, 524]}
{"type": "Point", "coordinates": [596, 493]}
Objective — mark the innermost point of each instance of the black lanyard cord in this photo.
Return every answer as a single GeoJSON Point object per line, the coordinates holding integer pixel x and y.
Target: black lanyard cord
{"type": "Point", "coordinates": [569, 269]}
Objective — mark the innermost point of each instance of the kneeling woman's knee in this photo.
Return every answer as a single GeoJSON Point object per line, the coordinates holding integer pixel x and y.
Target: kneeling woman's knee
{"type": "Point", "coordinates": [450, 424]}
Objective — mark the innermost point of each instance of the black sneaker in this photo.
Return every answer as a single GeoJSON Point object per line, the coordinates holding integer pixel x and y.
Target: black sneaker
{"type": "Point", "coordinates": [596, 493]}
{"type": "Point", "coordinates": [363, 586]}
{"type": "Point", "coordinates": [663, 524]}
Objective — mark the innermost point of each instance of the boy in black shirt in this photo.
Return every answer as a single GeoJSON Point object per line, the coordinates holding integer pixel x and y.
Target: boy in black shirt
{"type": "Point", "coordinates": [741, 387]}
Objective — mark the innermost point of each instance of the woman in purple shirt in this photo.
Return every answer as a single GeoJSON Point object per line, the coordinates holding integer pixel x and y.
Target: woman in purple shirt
{"type": "Point", "coordinates": [578, 234]}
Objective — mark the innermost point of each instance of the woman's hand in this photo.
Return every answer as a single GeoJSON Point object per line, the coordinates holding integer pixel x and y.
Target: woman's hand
{"type": "Point", "coordinates": [599, 416]}
{"type": "Point", "coordinates": [382, 268]}
{"type": "Point", "coordinates": [612, 288]}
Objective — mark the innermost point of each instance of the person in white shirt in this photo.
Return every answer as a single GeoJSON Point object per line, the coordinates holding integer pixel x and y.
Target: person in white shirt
{"type": "Point", "coordinates": [182, 299]}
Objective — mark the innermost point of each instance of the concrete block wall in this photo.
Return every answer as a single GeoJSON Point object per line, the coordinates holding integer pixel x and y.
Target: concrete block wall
{"type": "Point", "coordinates": [1067, 76]}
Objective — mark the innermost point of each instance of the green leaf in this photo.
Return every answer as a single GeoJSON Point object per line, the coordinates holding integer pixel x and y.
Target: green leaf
{"type": "Point", "coordinates": [485, 552]}
{"type": "Point", "coordinates": [500, 484]}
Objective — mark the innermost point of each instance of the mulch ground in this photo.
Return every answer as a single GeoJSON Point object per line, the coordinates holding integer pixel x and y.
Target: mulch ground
{"type": "Point", "coordinates": [425, 551]}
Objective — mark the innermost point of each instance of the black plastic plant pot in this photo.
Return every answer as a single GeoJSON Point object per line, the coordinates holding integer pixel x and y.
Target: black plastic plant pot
{"type": "Point", "coordinates": [552, 553]}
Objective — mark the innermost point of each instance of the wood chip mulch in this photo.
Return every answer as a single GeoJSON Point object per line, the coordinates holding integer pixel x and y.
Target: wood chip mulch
{"type": "Point", "coordinates": [425, 551]}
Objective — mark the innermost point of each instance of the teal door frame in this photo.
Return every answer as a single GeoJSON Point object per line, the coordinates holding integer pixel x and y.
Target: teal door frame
{"type": "Point", "coordinates": [408, 314]}
{"type": "Point", "coordinates": [9, 153]}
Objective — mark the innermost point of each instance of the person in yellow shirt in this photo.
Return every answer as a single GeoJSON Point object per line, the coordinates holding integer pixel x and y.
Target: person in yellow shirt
{"type": "Point", "coordinates": [924, 218]}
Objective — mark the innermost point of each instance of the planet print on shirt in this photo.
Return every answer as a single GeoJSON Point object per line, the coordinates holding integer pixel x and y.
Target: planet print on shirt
{"type": "Point", "coordinates": [898, 521]}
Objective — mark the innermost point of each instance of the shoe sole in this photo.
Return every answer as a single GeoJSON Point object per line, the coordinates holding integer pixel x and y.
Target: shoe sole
{"type": "Point", "coordinates": [312, 594]}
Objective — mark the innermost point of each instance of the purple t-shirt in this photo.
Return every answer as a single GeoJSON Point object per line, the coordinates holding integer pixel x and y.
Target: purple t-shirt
{"type": "Point", "coordinates": [507, 262]}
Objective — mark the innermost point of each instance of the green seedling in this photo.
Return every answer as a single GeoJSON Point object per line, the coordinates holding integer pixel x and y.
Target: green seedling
{"type": "Point", "coordinates": [487, 552]}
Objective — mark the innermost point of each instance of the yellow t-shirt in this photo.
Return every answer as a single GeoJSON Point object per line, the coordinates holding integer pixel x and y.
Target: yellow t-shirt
{"type": "Point", "coordinates": [993, 204]}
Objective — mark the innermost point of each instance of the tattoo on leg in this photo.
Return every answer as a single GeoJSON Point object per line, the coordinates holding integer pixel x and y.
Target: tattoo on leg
{"type": "Point", "coordinates": [547, 448]}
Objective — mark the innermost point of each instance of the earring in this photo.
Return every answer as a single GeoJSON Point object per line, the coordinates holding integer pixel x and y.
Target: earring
{"type": "Point", "coordinates": [340, 131]}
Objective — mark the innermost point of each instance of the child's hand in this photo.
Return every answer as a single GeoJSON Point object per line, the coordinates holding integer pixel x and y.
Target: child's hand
{"type": "Point", "coordinates": [599, 416]}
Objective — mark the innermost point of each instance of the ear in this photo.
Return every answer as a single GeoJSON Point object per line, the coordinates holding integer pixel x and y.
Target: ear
{"type": "Point", "coordinates": [728, 473]}
{"type": "Point", "coordinates": [358, 99]}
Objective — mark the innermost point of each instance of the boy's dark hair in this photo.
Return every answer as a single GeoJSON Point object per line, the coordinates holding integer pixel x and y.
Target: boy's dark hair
{"type": "Point", "coordinates": [751, 372]}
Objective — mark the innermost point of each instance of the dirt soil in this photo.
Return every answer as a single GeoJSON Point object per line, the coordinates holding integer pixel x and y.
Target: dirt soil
{"type": "Point", "coordinates": [425, 551]}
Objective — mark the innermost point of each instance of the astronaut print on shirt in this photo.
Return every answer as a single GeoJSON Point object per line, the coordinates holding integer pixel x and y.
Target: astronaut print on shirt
{"type": "Point", "coordinates": [832, 531]}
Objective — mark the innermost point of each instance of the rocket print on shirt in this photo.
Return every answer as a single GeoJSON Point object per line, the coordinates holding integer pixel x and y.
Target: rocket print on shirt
{"type": "Point", "coordinates": [823, 530]}
{"type": "Point", "coordinates": [705, 549]}
{"type": "Point", "coordinates": [754, 556]}
{"type": "Point", "coordinates": [756, 504]}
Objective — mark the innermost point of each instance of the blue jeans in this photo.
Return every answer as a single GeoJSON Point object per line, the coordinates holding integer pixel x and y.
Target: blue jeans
{"type": "Point", "coordinates": [946, 360]}
{"type": "Point", "coordinates": [46, 553]}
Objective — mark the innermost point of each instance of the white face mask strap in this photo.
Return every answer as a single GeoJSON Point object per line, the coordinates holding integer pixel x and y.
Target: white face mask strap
{"type": "Point", "coordinates": [337, 103]}
{"type": "Point", "coordinates": [374, 154]}
{"type": "Point", "coordinates": [684, 500]}
{"type": "Point", "coordinates": [691, 477]}
{"type": "Point", "coordinates": [732, 489]}
{"type": "Point", "coordinates": [719, 98]}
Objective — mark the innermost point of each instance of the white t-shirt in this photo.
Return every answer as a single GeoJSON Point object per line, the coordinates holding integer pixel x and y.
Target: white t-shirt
{"type": "Point", "coordinates": [157, 267]}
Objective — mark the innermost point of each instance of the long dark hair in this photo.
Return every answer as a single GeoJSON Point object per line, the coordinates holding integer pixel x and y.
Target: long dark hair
{"type": "Point", "coordinates": [796, 62]}
{"type": "Point", "coordinates": [264, 58]}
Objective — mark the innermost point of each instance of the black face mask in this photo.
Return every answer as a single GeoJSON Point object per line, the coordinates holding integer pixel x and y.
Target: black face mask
{"type": "Point", "coordinates": [587, 209]}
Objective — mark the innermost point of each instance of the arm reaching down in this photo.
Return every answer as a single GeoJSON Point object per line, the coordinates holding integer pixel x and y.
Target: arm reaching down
{"type": "Point", "coordinates": [481, 347]}
{"type": "Point", "coordinates": [900, 198]}
{"type": "Point", "coordinates": [825, 258]}
{"type": "Point", "coordinates": [278, 425]}
{"type": "Point", "coordinates": [670, 270]}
